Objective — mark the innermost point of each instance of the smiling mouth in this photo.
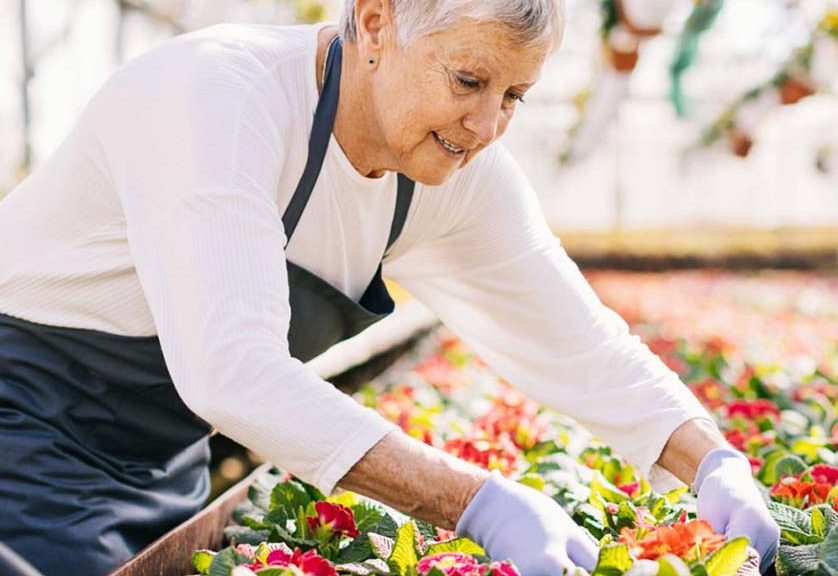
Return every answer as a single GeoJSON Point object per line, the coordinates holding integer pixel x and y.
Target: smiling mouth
{"type": "Point", "coordinates": [448, 145]}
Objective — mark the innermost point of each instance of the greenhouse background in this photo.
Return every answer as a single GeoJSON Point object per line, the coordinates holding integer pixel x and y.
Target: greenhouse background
{"type": "Point", "coordinates": [635, 165]}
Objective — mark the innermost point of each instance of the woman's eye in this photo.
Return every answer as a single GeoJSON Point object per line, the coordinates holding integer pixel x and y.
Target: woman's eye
{"type": "Point", "coordinates": [516, 97]}
{"type": "Point", "coordinates": [467, 82]}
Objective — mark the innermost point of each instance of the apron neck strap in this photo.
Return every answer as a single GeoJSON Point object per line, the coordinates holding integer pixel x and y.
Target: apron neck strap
{"type": "Point", "coordinates": [321, 131]}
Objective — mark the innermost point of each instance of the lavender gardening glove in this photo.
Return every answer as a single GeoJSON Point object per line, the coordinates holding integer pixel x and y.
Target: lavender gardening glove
{"type": "Point", "coordinates": [514, 522]}
{"type": "Point", "coordinates": [729, 499]}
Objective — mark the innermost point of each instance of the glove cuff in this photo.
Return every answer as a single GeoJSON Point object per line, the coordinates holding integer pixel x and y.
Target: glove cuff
{"type": "Point", "coordinates": [480, 509]}
{"type": "Point", "coordinates": [713, 460]}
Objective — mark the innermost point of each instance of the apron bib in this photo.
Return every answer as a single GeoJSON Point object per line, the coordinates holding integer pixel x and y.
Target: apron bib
{"type": "Point", "coordinates": [100, 454]}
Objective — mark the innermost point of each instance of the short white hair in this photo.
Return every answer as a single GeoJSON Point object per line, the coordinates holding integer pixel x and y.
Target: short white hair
{"type": "Point", "coordinates": [529, 21]}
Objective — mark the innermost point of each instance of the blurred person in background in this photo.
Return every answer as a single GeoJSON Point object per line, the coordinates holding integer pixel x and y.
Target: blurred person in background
{"type": "Point", "coordinates": [223, 211]}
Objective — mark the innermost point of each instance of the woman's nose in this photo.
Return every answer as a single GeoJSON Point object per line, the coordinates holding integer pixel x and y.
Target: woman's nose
{"type": "Point", "coordinates": [484, 120]}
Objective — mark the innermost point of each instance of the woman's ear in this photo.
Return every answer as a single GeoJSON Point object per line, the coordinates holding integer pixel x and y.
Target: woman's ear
{"type": "Point", "coordinates": [374, 26]}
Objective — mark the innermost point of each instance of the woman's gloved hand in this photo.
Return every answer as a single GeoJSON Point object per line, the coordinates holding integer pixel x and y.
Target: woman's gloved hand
{"type": "Point", "coordinates": [514, 522]}
{"type": "Point", "coordinates": [729, 499]}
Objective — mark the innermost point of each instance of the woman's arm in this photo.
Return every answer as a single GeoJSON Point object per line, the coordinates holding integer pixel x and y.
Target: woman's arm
{"type": "Point", "coordinates": [417, 479]}
{"type": "Point", "coordinates": [500, 279]}
{"type": "Point", "coordinates": [687, 447]}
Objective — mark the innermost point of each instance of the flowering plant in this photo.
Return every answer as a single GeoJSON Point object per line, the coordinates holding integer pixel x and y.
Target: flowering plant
{"type": "Point", "coordinates": [773, 392]}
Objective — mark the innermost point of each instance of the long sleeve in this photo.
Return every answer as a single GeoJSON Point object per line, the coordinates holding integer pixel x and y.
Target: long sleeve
{"type": "Point", "coordinates": [501, 280]}
{"type": "Point", "coordinates": [196, 169]}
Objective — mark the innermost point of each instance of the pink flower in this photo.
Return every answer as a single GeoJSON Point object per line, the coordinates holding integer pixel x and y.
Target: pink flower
{"type": "Point", "coordinates": [498, 454]}
{"type": "Point", "coordinates": [823, 474]}
{"type": "Point", "coordinates": [309, 562]}
{"type": "Point", "coordinates": [630, 488]}
{"type": "Point", "coordinates": [332, 519]}
{"type": "Point", "coordinates": [754, 409]}
{"type": "Point", "coordinates": [450, 564]}
{"type": "Point", "coordinates": [501, 569]}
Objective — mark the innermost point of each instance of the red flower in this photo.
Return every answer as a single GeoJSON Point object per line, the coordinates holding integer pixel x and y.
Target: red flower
{"type": "Point", "coordinates": [513, 415]}
{"type": "Point", "coordinates": [450, 564]}
{"type": "Point", "coordinates": [630, 488]}
{"type": "Point", "coordinates": [440, 373]}
{"type": "Point", "coordinates": [499, 454]}
{"type": "Point", "coordinates": [754, 409]}
{"type": "Point", "coordinates": [685, 540]}
{"type": "Point", "coordinates": [823, 474]}
{"type": "Point", "coordinates": [501, 569]}
{"type": "Point", "coordinates": [332, 519]}
{"type": "Point", "coordinates": [443, 535]}
{"type": "Point", "coordinates": [744, 440]}
{"type": "Point", "coordinates": [309, 562]}
{"type": "Point", "coordinates": [711, 393]}
{"type": "Point", "coordinates": [800, 494]}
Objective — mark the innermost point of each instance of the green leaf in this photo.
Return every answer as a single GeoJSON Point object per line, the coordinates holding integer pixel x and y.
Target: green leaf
{"type": "Point", "coordinates": [426, 529]}
{"type": "Point", "coordinates": [382, 546]}
{"type": "Point", "coordinates": [830, 516]}
{"type": "Point", "coordinates": [533, 481]}
{"type": "Point", "coordinates": [403, 559]}
{"type": "Point", "coordinates": [258, 521]}
{"type": "Point", "coordinates": [281, 534]}
{"type": "Point", "coordinates": [357, 551]}
{"type": "Point", "coordinates": [797, 560]}
{"type": "Point", "coordinates": [767, 474]}
{"type": "Point", "coordinates": [790, 519]}
{"type": "Point", "coordinates": [373, 566]}
{"type": "Point", "coordinates": [671, 565]}
{"type": "Point", "coordinates": [462, 545]}
{"type": "Point", "coordinates": [202, 559]}
{"type": "Point", "coordinates": [224, 562]}
{"type": "Point", "coordinates": [289, 497]}
{"type": "Point", "coordinates": [613, 561]}
{"type": "Point", "coordinates": [828, 555]}
{"type": "Point", "coordinates": [673, 496]}
{"type": "Point", "coordinates": [247, 508]}
{"type": "Point", "coordinates": [386, 527]}
{"type": "Point", "coordinates": [603, 491]}
{"type": "Point", "coordinates": [259, 492]}
{"type": "Point", "coordinates": [245, 535]}
{"type": "Point", "coordinates": [726, 560]}
{"type": "Point", "coordinates": [818, 522]}
{"type": "Point", "coordinates": [808, 447]}
{"type": "Point", "coordinates": [626, 516]}
{"type": "Point", "coordinates": [789, 465]}
{"type": "Point", "coordinates": [541, 450]}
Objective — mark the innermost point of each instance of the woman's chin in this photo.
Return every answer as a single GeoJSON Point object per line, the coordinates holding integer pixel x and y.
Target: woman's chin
{"type": "Point", "coordinates": [432, 177]}
{"type": "Point", "coordinates": [433, 173]}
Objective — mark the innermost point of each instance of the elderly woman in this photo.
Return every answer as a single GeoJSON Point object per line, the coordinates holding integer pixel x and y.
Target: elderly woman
{"type": "Point", "coordinates": [222, 212]}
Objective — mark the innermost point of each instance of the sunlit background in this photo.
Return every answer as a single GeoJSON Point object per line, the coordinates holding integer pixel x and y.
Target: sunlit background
{"type": "Point", "coordinates": [605, 147]}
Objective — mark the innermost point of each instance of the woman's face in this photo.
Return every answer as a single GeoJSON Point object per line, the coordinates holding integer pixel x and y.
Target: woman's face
{"type": "Point", "coordinates": [449, 95]}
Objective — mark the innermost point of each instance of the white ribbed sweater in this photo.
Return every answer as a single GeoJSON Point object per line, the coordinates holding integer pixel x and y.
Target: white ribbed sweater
{"type": "Point", "coordinates": [161, 214]}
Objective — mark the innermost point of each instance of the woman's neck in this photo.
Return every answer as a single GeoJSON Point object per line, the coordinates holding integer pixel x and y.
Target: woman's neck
{"type": "Point", "coordinates": [355, 129]}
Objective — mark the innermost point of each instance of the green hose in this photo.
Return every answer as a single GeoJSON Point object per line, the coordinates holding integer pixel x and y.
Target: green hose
{"type": "Point", "coordinates": [700, 20]}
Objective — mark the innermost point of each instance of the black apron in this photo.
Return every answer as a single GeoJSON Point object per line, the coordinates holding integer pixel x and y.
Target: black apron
{"type": "Point", "coordinates": [100, 454]}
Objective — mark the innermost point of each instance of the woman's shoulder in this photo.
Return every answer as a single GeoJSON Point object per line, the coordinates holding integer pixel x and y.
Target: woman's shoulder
{"type": "Point", "coordinates": [218, 63]}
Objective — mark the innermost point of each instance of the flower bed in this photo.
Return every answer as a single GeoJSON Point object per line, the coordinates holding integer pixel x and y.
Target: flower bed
{"type": "Point", "coordinates": [760, 351]}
